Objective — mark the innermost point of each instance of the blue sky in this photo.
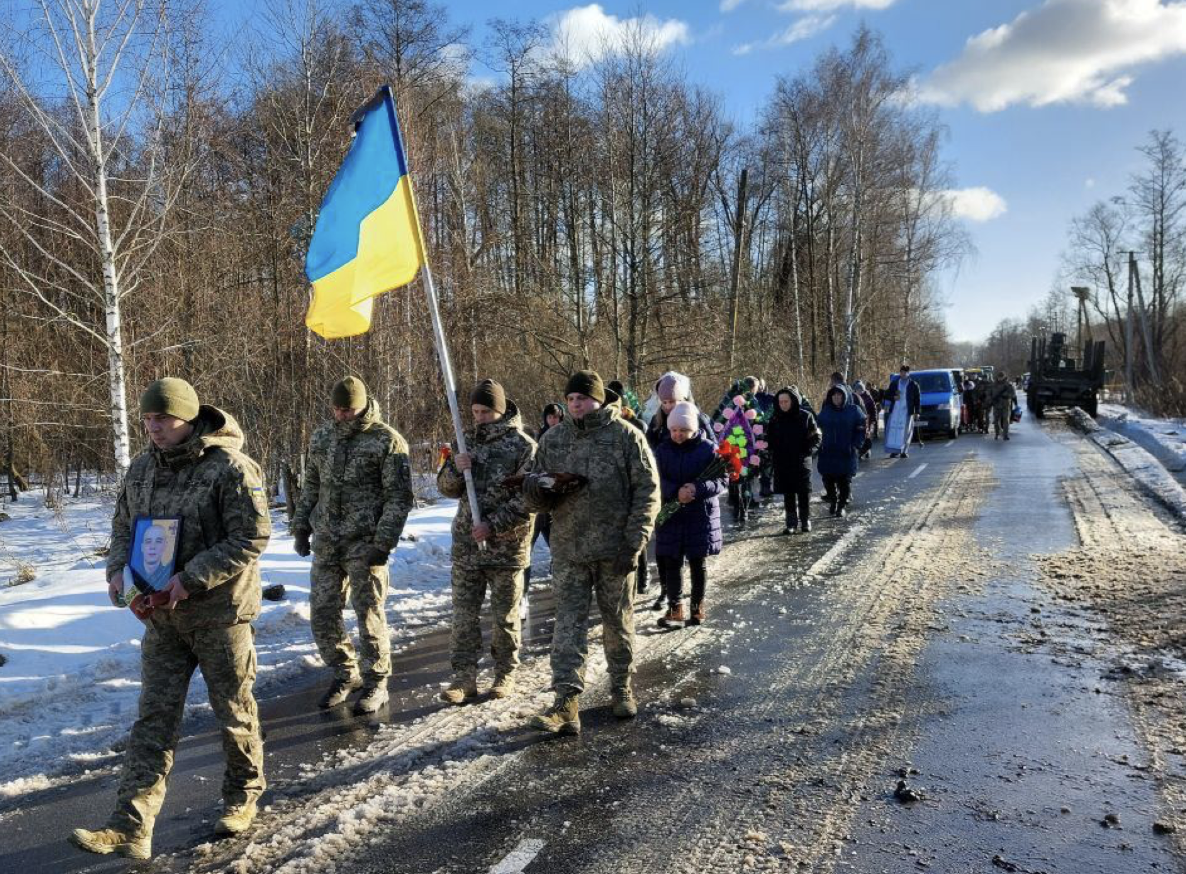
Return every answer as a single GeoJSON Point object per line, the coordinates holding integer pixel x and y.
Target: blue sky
{"type": "Point", "coordinates": [1045, 112]}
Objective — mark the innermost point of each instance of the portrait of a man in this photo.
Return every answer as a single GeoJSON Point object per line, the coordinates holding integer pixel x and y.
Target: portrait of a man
{"type": "Point", "coordinates": [154, 553]}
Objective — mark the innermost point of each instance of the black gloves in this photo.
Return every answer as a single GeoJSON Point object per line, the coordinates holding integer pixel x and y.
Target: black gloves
{"type": "Point", "coordinates": [625, 562]}
{"type": "Point", "coordinates": [300, 539]}
{"type": "Point", "coordinates": [377, 557]}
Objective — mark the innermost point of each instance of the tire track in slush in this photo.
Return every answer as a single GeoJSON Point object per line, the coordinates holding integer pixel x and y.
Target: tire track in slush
{"type": "Point", "coordinates": [881, 609]}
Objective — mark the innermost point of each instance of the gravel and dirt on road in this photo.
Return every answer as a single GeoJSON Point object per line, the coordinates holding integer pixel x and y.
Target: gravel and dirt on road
{"type": "Point", "coordinates": [1130, 569]}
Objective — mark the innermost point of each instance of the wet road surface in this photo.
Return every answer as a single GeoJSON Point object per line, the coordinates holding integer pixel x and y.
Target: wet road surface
{"type": "Point", "coordinates": [904, 643]}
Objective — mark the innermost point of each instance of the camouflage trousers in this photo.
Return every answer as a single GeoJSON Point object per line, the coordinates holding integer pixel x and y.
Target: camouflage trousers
{"type": "Point", "coordinates": [575, 584]}
{"type": "Point", "coordinates": [1002, 416]}
{"type": "Point", "coordinates": [168, 657]}
{"type": "Point", "coordinates": [330, 580]}
{"type": "Point", "coordinates": [469, 590]}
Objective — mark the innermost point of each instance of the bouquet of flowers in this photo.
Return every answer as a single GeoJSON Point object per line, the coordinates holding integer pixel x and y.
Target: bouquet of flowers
{"type": "Point", "coordinates": [725, 460]}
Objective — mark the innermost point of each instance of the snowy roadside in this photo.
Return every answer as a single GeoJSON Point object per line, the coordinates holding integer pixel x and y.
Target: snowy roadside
{"type": "Point", "coordinates": [1141, 465]}
{"type": "Point", "coordinates": [69, 689]}
{"type": "Point", "coordinates": [1165, 439]}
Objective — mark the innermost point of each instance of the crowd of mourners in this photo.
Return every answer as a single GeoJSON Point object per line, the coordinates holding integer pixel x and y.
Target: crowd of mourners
{"type": "Point", "coordinates": [606, 483]}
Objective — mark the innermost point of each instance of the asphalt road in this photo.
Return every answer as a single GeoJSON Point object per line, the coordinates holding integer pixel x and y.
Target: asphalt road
{"type": "Point", "coordinates": [905, 643]}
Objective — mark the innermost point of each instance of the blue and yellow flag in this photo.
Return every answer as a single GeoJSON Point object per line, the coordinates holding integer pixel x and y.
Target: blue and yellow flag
{"type": "Point", "coordinates": [367, 240]}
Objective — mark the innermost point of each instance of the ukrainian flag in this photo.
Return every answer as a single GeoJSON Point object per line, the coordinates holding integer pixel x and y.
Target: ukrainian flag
{"type": "Point", "coordinates": [367, 239]}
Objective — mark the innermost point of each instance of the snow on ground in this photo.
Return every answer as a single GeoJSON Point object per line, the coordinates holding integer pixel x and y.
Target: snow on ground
{"type": "Point", "coordinates": [69, 689]}
{"type": "Point", "coordinates": [1164, 438]}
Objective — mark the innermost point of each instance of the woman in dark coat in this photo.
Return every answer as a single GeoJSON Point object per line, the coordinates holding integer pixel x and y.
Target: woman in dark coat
{"type": "Point", "coordinates": [843, 426]}
{"type": "Point", "coordinates": [694, 531]}
{"type": "Point", "coordinates": [792, 438]}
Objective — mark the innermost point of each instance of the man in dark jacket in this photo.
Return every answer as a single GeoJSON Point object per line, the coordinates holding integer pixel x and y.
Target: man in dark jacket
{"type": "Point", "coordinates": [195, 471]}
{"type": "Point", "coordinates": [793, 437]}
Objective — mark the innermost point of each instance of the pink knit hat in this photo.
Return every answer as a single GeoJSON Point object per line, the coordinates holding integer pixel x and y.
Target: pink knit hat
{"type": "Point", "coordinates": [673, 386]}
{"type": "Point", "coordinates": [684, 415]}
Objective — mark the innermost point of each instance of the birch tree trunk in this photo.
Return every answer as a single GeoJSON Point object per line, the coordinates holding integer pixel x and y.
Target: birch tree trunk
{"type": "Point", "coordinates": [116, 372]}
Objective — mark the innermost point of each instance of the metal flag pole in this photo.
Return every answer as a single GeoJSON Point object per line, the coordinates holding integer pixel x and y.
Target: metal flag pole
{"type": "Point", "coordinates": [438, 331]}
{"type": "Point", "coordinates": [438, 335]}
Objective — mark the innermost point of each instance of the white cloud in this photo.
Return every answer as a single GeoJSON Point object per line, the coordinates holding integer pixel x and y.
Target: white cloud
{"type": "Point", "coordinates": [585, 34]}
{"type": "Point", "coordinates": [1089, 183]}
{"type": "Point", "coordinates": [804, 28]}
{"type": "Point", "coordinates": [829, 5]}
{"type": "Point", "coordinates": [1063, 51]}
{"type": "Point", "coordinates": [815, 16]}
{"type": "Point", "coordinates": [977, 204]}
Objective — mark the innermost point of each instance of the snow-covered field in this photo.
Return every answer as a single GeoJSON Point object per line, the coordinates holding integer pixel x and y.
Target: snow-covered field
{"type": "Point", "coordinates": [69, 689]}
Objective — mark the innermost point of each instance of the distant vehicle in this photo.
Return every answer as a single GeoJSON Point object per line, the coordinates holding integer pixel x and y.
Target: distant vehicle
{"type": "Point", "coordinates": [942, 397]}
{"type": "Point", "coordinates": [1056, 381]}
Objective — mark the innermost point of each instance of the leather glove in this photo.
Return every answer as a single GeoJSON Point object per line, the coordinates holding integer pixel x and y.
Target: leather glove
{"type": "Point", "coordinates": [300, 541]}
{"type": "Point", "coordinates": [142, 606]}
{"type": "Point", "coordinates": [377, 557]}
{"type": "Point", "coordinates": [625, 563]}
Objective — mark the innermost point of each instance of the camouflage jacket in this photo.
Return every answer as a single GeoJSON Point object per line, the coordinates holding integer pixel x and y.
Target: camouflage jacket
{"type": "Point", "coordinates": [498, 450]}
{"type": "Point", "coordinates": [358, 487]}
{"type": "Point", "coordinates": [218, 492]}
{"type": "Point", "coordinates": [614, 512]}
{"type": "Point", "coordinates": [1002, 395]}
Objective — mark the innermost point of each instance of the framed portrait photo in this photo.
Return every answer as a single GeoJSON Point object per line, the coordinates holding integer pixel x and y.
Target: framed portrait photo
{"type": "Point", "coordinates": [154, 552]}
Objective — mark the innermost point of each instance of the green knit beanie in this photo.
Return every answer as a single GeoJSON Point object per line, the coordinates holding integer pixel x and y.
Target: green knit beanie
{"type": "Point", "coordinates": [588, 383]}
{"type": "Point", "coordinates": [350, 394]}
{"type": "Point", "coordinates": [170, 397]}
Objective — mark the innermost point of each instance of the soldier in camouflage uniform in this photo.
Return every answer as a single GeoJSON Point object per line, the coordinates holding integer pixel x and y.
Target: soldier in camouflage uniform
{"type": "Point", "coordinates": [354, 502]}
{"type": "Point", "coordinates": [1002, 396]}
{"type": "Point", "coordinates": [597, 477]}
{"type": "Point", "coordinates": [195, 470]}
{"type": "Point", "coordinates": [498, 448]}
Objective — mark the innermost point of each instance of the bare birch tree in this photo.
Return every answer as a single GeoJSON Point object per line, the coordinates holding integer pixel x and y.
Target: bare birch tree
{"type": "Point", "coordinates": [95, 224]}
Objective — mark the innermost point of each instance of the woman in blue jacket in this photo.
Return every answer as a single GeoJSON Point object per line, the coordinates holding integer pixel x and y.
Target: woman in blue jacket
{"type": "Point", "coordinates": [843, 426]}
{"type": "Point", "coordinates": [694, 532]}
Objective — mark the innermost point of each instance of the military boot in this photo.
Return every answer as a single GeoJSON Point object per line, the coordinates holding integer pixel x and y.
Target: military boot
{"type": "Point", "coordinates": [504, 685]}
{"type": "Point", "coordinates": [339, 690]}
{"type": "Point", "coordinates": [374, 695]}
{"type": "Point", "coordinates": [697, 615]}
{"type": "Point", "coordinates": [563, 717]}
{"type": "Point", "coordinates": [236, 818]}
{"type": "Point", "coordinates": [110, 840]}
{"type": "Point", "coordinates": [463, 687]}
{"type": "Point", "coordinates": [625, 707]}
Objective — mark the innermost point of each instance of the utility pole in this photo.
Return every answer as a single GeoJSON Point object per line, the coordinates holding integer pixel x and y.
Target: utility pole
{"type": "Point", "coordinates": [1128, 326]}
{"type": "Point", "coordinates": [1081, 294]}
{"type": "Point", "coordinates": [735, 277]}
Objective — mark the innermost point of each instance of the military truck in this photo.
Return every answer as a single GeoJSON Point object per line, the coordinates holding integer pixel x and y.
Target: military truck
{"type": "Point", "coordinates": [1056, 380]}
